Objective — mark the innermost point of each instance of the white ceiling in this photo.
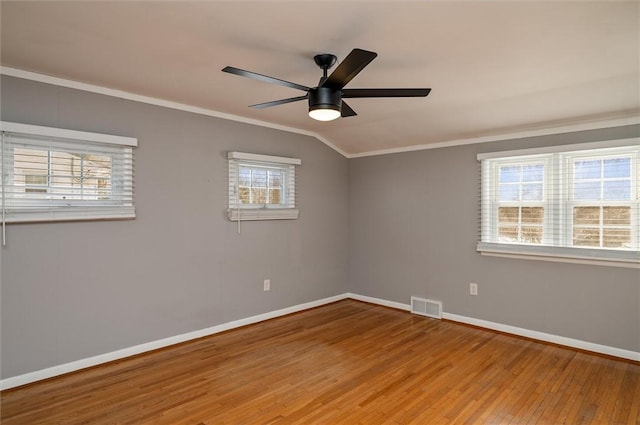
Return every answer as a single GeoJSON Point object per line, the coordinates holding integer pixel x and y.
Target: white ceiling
{"type": "Point", "coordinates": [495, 68]}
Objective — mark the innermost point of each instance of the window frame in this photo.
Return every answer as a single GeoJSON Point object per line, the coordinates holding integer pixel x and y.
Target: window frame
{"type": "Point", "coordinates": [287, 209]}
{"type": "Point", "coordinates": [520, 203]}
{"type": "Point", "coordinates": [571, 202]}
{"type": "Point", "coordinates": [559, 204]}
{"type": "Point", "coordinates": [47, 207]}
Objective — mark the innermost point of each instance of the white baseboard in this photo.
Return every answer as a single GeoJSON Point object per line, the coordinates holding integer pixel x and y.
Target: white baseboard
{"type": "Point", "coordinates": [379, 301]}
{"type": "Point", "coordinates": [540, 336]}
{"type": "Point", "coordinates": [51, 372]}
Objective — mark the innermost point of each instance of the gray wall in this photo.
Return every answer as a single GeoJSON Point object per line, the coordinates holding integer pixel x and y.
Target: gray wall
{"type": "Point", "coordinates": [413, 231]}
{"type": "Point", "coordinates": [389, 226]}
{"type": "Point", "coordinates": [74, 290]}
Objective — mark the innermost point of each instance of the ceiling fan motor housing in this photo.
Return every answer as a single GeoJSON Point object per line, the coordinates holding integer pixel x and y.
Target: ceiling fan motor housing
{"type": "Point", "coordinates": [325, 98]}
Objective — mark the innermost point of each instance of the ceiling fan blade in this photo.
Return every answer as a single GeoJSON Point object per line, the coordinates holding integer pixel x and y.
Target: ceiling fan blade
{"type": "Point", "coordinates": [352, 93]}
{"type": "Point", "coordinates": [349, 68]}
{"type": "Point", "coordinates": [278, 102]}
{"type": "Point", "coordinates": [347, 111]}
{"type": "Point", "coordinates": [264, 78]}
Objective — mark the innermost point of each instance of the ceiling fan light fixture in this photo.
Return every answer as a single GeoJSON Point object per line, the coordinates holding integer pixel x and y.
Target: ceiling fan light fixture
{"type": "Point", "coordinates": [324, 113]}
{"type": "Point", "coordinates": [324, 104]}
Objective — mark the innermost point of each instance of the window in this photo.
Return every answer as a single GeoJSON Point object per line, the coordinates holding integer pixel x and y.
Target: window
{"type": "Point", "coordinates": [521, 201]}
{"type": "Point", "coordinates": [51, 174]}
{"type": "Point", "coordinates": [578, 201]}
{"type": "Point", "coordinates": [601, 201]}
{"type": "Point", "coordinates": [261, 187]}
{"type": "Point", "coordinates": [35, 183]}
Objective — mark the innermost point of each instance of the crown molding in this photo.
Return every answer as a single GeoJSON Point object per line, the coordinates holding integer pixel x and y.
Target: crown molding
{"type": "Point", "coordinates": [565, 128]}
{"type": "Point", "coordinates": [56, 81]}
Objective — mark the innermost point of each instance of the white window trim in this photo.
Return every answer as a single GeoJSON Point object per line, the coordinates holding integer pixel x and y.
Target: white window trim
{"type": "Point", "coordinates": [490, 209]}
{"type": "Point", "coordinates": [263, 158]}
{"type": "Point", "coordinates": [79, 211]}
{"type": "Point", "coordinates": [238, 212]}
{"type": "Point", "coordinates": [595, 256]}
{"type": "Point", "coordinates": [62, 133]}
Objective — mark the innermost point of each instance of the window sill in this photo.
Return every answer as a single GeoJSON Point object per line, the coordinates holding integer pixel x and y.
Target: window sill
{"type": "Point", "coordinates": [600, 257]}
{"type": "Point", "coordinates": [262, 214]}
{"type": "Point", "coordinates": [69, 214]}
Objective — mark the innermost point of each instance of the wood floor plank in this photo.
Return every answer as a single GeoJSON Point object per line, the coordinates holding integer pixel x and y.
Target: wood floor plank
{"type": "Point", "coordinates": [344, 363]}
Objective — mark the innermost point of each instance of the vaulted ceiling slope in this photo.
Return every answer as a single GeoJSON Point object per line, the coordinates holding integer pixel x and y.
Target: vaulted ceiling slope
{"type": "Point", "coordinates": [495, 68]}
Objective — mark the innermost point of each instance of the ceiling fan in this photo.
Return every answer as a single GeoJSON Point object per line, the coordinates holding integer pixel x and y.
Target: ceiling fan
{"type": "Point", "coordinates": [326, 99]}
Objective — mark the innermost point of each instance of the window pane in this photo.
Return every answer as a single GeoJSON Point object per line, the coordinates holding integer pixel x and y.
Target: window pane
{"type": "Point", "coordinates": [586, 237]}
{"type": "Point", "coordinates": [259, 195]}
{"type": "Point", "coordinates": [275, 179]}
{"type": "Point", "coordinates": [259, 178]}
{"type": "Point", "coordinates": [508, 215]}
{"type": "Point", "coordinates": [30, 161]}
{"type": "Point", "coordinates": [510, 174]}
{"type": "Point", "coordinates": [244, 177]}
{"type": "Point", "coordinates": [617, 190]}
{"type": "Point", "coordinates": [617, 216]}
{"type": "Point", "coordinates": [261, 185]}
{"type": "Point", "coordinates": [586, 215]}
{"type": "Point", "coordinates": [104, 183]}
{"type": "Point", "coordinates": [104, 189]}
{"type": "Point", "coordinates": [244, 195]}
{"type": "Point", "coordinates": [35, 183]}
{"type": "Point", "coordinates": [617, 167]}
{"type": "Point", "coordinates": [533, 173]}
{"type": "Point", "coordinates": [35, 179]}
{"type": "Point", "coordinates": [532, 192]}
{"type": "Point", "coordinates": [90, 186]}
{"type": "Point", "coordinates": [587, 169]}
{"type": "Point", "coordinates": [96, 165]}
{"type": "Point", "coordinates": [275, 196]}
{"type": "Point", "coordinates": [509, 192]}
{"type": "Point", "coordinates": [531, 215]}
{"type": "Point", "coordinates": [586, 191]}
{"type": "Point", "coordinates": [532, 234]}
{"type": "Point", "coordinates": [616, 238]}
{"type": "Point", "coordinates": [61, 184]}
{"type": "Point", "coordinates": [508, 234]}
{"type": "Point", "coordinates": [65, 164]}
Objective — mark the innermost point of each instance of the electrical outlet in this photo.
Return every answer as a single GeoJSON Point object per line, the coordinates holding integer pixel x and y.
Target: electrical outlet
{"type": "Point", "coordinates": [473, 288]}
{"type": "Point", "coordinates": [267, 284]}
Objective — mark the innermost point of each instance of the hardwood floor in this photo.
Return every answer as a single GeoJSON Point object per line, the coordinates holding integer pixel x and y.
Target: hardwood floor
{"type": "Point", "coordinates": [344, 363]}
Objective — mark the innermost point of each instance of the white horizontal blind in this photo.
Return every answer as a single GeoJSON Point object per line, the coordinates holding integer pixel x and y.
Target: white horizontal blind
{"type": "Point", "coordinates": [260, 185]}
{"type": "Point", "coordinates": [53, 178]}
{"type": "Point", "coordinates": [583, 202]}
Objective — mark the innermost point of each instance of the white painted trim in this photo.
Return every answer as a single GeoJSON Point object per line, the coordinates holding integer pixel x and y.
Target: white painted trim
{"type": "Point", "coordinates": [50, 372]}
{"type": "Point", "coordinates": [63, 133]}
{"type": "Point", "coordinates": [562, 259]}
{"type": "Point", "coordinates": [592, 125]}
{"type": "Point", "coordinates": [255, 214]}
{"type": "Point", "coordinates": [566, 149]}
{"type": "Point", "coordinates": [263, 158]}
{"type": "Point", "coordinates": [379, 301]}
{"type": "Point", "coordinates": [542, 336]}
{"type": "Point", "coordinates": [61, 82]}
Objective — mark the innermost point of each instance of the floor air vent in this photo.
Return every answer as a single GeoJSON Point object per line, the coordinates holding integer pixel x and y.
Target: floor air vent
{"type": "Point", "coordinates": [425, 307]}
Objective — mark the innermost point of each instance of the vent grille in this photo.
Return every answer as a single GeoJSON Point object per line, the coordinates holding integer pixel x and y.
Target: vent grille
{"type": "Point", "coordinates": [425, 307]}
